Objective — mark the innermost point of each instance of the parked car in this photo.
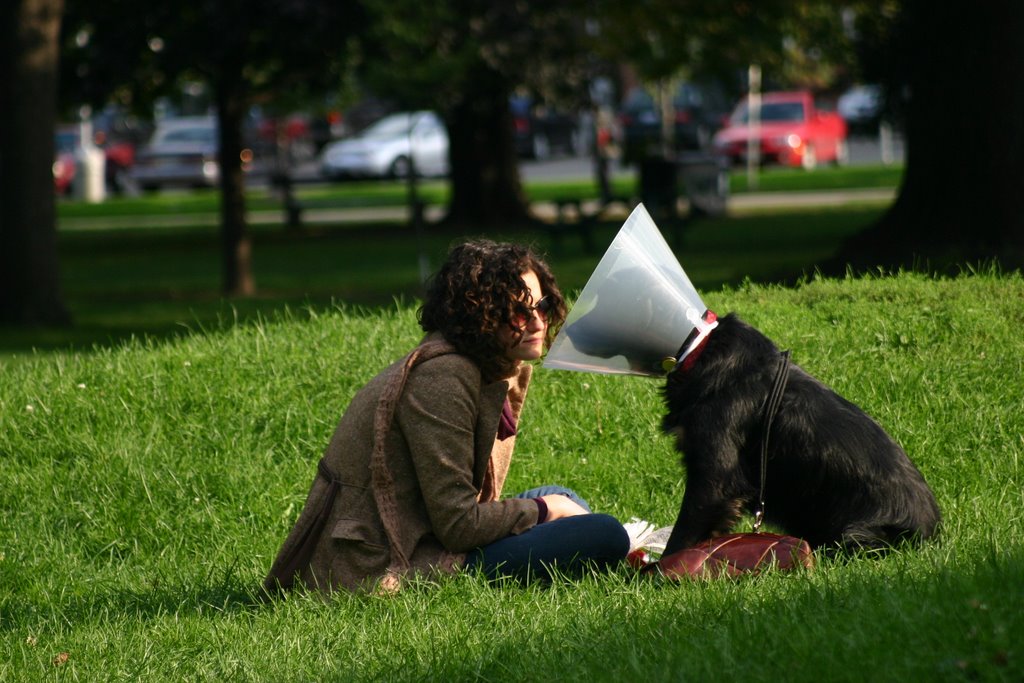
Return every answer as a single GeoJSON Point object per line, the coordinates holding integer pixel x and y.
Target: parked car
{"type": "Point", "coordinates": [64, 162]}
{"type": "Point", "coordinates": [698, 112]}
{"type": "Point", "coordinates": [541, 131]}
{"type": "Point", "coordinates": [119, 156]}
{"type": "Point", "coordinates": [861, 107]}
{"type": "Point", "coordinates": [183, 153]}
{"type": "Point", "coordinates": [390, 148]}
{"type": "Point", "coordinates": [291, 133]}
{"type": "Point", "coordinates": [793, 131]}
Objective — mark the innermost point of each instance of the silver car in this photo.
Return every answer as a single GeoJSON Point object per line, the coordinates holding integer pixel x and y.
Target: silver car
{"type": "Point", "coordinates": [388, 148]}
{"type": "Point", "coordinates": [182, 152]}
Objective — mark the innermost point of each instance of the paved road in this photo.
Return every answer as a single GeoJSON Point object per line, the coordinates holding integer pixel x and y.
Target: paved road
{"type": "Point", "coordinates": [863, 150]}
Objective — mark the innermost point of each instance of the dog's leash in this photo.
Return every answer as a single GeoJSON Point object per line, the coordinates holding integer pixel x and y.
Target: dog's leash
{"type": "Point", "coordinates": [771, 406]}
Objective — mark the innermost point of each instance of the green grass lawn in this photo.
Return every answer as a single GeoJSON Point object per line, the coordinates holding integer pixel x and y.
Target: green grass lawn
{"type": "Point", "coordinates": [121, 283]}
{"type": "Point", "coordinates": [145, 489]}
{"type": "Point", "coordinates": [799, 180]}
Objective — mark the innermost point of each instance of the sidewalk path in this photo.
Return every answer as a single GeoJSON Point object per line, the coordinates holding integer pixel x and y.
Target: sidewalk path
{"type": "Point", "coordinates": [738, 204]}
{"type": "Point", "coordinates": [772, 200]}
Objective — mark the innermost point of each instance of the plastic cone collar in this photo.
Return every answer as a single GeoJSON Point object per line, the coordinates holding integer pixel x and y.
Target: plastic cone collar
{"type": "Point", "coordinates": [639, 314]}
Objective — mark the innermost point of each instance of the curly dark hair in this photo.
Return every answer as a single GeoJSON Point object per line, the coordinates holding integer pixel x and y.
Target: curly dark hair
{"type": "Point", "coordinates": [478, 292]}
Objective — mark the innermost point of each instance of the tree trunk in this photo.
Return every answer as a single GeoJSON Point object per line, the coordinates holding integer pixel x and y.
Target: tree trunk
{"type": "Point", "coordinates": [485, 183]}
{"type": "Point", "coordinates": [30, 291]}
{"type": "Point", "coordinates": [236, 245]}
{"type": "Point", "coordinates": [962, 196]}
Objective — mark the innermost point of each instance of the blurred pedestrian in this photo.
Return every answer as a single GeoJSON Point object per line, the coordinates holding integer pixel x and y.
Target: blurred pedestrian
{"type": "Point", "coordinates": [606, 151]}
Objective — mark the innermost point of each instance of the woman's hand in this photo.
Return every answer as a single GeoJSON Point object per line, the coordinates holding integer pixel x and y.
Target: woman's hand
{"type": "Point", "coordinates": [561, 506]}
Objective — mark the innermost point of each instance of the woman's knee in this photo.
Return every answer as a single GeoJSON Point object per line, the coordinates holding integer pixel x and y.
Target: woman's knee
{"type": "Point", "coordinates": [608, 531]}
{"type": "Point", "coordinates": [596, 536]}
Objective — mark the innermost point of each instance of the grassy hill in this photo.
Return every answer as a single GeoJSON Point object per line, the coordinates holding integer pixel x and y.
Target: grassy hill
{"type": "Point", "coordinates": [146, 487]}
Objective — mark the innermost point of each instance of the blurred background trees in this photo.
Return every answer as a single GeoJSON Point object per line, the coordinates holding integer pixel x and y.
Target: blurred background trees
{"type": "Point", "coordinates": [797, 43]}
{"type": "Point", "coordinates": [954, 81]}
{"type": "Point", "coordinates": [244, 51]}
{"type": "Point", "coordinates": [464, 58]}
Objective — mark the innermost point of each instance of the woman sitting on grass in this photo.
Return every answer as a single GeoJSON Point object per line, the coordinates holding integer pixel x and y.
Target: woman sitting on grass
{"type": "Point", "coordinates": [411, 480]}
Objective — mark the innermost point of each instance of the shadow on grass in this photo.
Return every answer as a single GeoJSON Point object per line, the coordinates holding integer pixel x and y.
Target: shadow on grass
{"type": "Point", "coordinates": [785, 627]}
{"type": "Point", "coordinates": [227, 596]}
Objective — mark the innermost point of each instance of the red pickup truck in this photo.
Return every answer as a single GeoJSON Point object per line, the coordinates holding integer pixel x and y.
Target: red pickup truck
{"type": "Point", "coordinates": [793, 131]}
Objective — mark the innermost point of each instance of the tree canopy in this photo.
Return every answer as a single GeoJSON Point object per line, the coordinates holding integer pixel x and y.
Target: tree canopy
{"type": "Point", "coordinates": [807, 43]}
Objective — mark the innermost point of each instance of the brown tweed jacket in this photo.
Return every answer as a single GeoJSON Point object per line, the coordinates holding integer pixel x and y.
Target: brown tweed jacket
{"type": "Point", "coordinates": [431, 493]}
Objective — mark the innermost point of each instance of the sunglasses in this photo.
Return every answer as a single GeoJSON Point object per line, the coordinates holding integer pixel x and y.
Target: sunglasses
{"type": "Point", "coordinates": [541, 308]}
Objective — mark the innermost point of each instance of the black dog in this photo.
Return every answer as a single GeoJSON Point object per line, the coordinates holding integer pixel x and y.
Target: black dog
{"type": "Point", "coordinates": [834, 477]}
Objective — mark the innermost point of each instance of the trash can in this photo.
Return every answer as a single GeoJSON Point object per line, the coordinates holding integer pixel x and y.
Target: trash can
{"type": "Point", "coordinates": [658, 186]}
{"type": "Point", "coordinates": [90, 169]}
{"type": "Point", "coordinates": [704, 179]}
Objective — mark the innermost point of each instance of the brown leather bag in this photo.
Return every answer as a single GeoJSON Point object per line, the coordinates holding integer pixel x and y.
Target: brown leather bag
{"type": "Point", "coordinates": [734, 555]}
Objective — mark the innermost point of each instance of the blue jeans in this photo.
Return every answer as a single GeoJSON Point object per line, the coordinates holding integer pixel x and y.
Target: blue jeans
{"type": "Point", "coordinates": [569, 546]}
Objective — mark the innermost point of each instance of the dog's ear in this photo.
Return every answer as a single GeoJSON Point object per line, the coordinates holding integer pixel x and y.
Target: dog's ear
{"type": "Point", "coordinates": [637, 311]}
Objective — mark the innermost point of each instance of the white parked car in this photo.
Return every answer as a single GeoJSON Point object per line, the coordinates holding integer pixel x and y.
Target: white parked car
{"type": "Point", "coordinates": [388, 147]}
{"type": "Point", "coordinates": [861, 106]}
